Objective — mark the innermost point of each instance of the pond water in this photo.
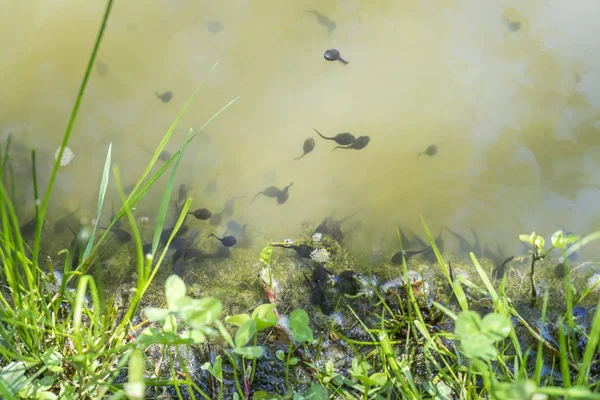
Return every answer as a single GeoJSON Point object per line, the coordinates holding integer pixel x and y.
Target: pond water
{"type": "Point", "coordinates": [508, 91]}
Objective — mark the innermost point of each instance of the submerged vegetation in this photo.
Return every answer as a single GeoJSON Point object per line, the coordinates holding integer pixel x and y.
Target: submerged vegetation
{"type": "Point", "coordinates": [440, 330]}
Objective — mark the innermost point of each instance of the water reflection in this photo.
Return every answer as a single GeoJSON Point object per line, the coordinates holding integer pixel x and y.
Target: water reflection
{"type": "Point", "coordinates": [508, 93]}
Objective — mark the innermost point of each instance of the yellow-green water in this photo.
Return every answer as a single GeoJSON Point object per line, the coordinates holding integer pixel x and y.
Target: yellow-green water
{"type": "Point", "coordinates": [515, 114]}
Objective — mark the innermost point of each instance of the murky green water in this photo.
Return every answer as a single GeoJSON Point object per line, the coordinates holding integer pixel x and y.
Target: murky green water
{"type": "Point", "coordinates": [514, 113]}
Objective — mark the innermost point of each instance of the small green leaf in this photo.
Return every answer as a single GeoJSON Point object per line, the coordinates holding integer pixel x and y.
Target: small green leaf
{"type": "Point", "coordinates": [316, 392]}
{"type": "Point", "coordinates": [170, 324]}
{"type": "Point", "coordinates": [237, 319]}
{"type": "Point", "coordinates": [468, 323]}
{"type": "Point", "coordinates": [245, 333]}
{"type": "Point", "coordinates": [280, 355]}
{"type": "Point", "coordinates": [379, 378]}
{"type": "Point", "coordinates": [496, 326]}
{"type": "Point", "coordinates": [216, 369]}
{"type": "Point", "coordinates": [265, 316]}
{"type": "Point", "coordinates": [265, 255]}
{"type": "Point", "coordinates": [301, 332]}
{"type": "Point", "coordinates": [557, 240]}
{"type": "Point", "coordinates": [174, 290]}
{"type": "Point", "coordinates": [293, 361]}
{"type": "Point", "coordinates": [199, 313]}
{"type": "Point", "coordinates": [249, 351]}
{"type": "Point", "coordinates": [53, 360]}
{"type": "Point", "coordinates": [156, 314]}
{"type": "Point", "coordinates": [195, 335]}
{"type": "Point", "coordinates": [528, 238]}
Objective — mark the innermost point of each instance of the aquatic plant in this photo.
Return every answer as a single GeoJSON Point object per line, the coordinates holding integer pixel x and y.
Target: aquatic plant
{"type": "Point", "coordinates": [559, 241]}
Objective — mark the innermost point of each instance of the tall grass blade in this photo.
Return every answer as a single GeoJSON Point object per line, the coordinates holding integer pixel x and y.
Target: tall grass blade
{"type": "Point", "coordinates": [164, 205]}
{"type": "Point", "coordinates": [68, 130]}
{"type": "Point", "coordinates": [103, 185]}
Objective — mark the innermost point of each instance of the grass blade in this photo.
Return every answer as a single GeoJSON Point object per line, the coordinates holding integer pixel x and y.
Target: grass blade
{"type": "Point", "coordinates": [103, 185]}
{"type": "Point", "coordinates": [164, 205]}
{"type": "Point", "coordinates": [68, 130]}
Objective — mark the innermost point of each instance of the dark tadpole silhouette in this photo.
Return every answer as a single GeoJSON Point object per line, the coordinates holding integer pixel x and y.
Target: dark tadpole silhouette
{"type": "Point", "coordinates": [121, 234]}
{"type": "Point", "coordinates": [323, 20]}
{"type": "Point", "coordinates": [332, 227]}
{"type": "Point", "coordinates": [283, 196]}
{"type": "Point", "coordinates": [500, 270]}
{"type": "Point", "coordinates": [309, 145]}
{"type": "Point", "coordinates": [514, 26]}
{"type": "Point", "coordinates": [317, 296]}
{"type": "Point", "coordinates": [28, 228]}
{"type": "Point", "coordinates": [397, 258]}
{"type": "Point", "coordinates": [431, 151]}
{"type": "Point", "coordinates": [63, 223]}
{"type": "Point", "coordinates": [334, 55]}
{"type": "Point", "coordinates": [183, 193]}
{"type": "Point", "coordinates": [165, 97]}
{"type": "Point", "coordinates": [230, 205]}
{"type": "Point", "coordinates": [463, 244]}
{"type": "Point", "coordinates": [346, 283]}
{"type": "Point", "coordinates": [303, 250]}
{"type": "Point", "coordinates": [360, 143]}
{"type": "Point", "coordinates": [226, 241]}
{"type": "Point", "coordinates": [343, 139]}
{"type": "Point", "coordinates": [202, 214]}
{"type": "Point", "coordinates": [211, 187]}
{"type": "Point", "coordinates": [271, 191]}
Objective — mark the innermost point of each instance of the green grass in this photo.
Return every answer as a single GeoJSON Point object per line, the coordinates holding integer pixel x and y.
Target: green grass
{"type": "Point", "coordinates": [55, 343]}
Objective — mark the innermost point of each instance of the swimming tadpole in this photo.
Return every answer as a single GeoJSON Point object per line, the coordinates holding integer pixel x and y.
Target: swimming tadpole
{"type": "Point", "coordinates": [397, 258]}
{"type": "Point", "coordinates": [309, 145]}
{"type": "Point", "coordinates": [165, 97]}
{"type": "Point", "coordinates": [273, 191]}
{"type": "Point", "coordinates": [122, 235]}
{"type": "Point", "coordinates": [303, 250]}
{"type": "Point", "coordinates": [283, 196]}
{"type": "Point", "coordinates": [360, 143]}
{"type": "Point", "coordinates": [431, 151]}
{"type": "Point", "coordinates": [343, 139]}
{"type": "Point", "coordinates": [230, 205]}
{"type": "Point", "coordinates": [227, 241]}
{"type": "Point", "coordinates": [63, 223]}
{"type": "Point", "coordinates": [334, 55]}
{"type": "Point", "coordinates": [202, 214]}
{"type": "Point", "coordinates": [323, 20]}
{"type": "Point", "coordinates": [214, 26]}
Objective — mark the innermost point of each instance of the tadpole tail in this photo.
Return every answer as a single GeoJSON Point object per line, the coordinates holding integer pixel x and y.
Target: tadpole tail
{"type": "Point", "coordinates": [324, 137]}
{"type": "Point", "coordinates": [343, 61]}
{"type": "Point", "coordinates": [255, 196]}
{"type": "Point", "coordinates": [419, 155]}
{"type": "Point", "coordinates": [297, 158]}
{"type": "Point", "coordinates": [211, 235]}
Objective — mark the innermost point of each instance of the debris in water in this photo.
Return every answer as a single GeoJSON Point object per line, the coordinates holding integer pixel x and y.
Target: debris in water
{"type": "Point", "coordinates": [165, 97]}
{"type": "Point", "coordinates": [214, 26]}
{"type": "Point", "coordinates": [66, 158]}
{"type": "Point", "coordinates": [102, 68]}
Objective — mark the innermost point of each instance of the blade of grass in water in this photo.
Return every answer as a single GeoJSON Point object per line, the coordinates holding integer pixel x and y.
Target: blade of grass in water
{"type": "Point", "coordinates": [103, 185]}
{"type": "Point", "coordinates": [74, 112]}
{"type": "Point", "coordinates": [167, 136]}
{"type": "Point", "coordinates": [164, 205]}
